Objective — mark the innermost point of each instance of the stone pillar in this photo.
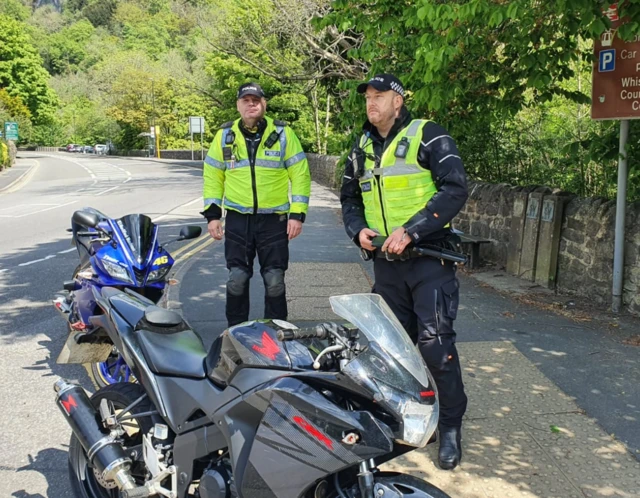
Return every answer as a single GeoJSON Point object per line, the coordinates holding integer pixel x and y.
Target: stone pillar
{"type": "Point", "coordinates": [527, 269]}
{"type": "Point", "coordinates": [549, 241]}
{"type": "Point", "coordinates": [514, 248]}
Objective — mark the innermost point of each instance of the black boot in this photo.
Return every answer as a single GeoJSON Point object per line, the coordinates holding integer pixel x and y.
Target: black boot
{"type": "Point", "coordinates": [450, 452]}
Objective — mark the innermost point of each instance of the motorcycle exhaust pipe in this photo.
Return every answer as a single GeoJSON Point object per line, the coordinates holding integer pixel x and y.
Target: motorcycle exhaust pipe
{"type": "Point", "coordinates": [102, 450]}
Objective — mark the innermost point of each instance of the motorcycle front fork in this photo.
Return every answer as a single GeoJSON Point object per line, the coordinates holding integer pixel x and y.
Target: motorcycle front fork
{"type": "Point", "coordinates": [365, 478]}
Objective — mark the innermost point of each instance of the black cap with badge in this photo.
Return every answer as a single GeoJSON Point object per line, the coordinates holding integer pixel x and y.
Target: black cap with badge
{"type": "Point", "coordinates": [383, 83]}
{"type": "Point", "coordinates": [250, 89]}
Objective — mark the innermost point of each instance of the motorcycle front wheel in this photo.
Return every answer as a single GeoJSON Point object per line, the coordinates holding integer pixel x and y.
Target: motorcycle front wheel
{"type": "Point", "coordinates": [394, 485]}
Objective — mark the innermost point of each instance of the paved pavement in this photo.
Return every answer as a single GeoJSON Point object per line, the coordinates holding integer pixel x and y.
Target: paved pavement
{"type": "Point", "coordinates": [554, 402]}
{"type": "Point", "coordinates": [12, 178]}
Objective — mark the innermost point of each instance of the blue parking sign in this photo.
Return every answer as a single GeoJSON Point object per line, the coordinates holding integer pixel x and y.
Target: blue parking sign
{"type": "Point", "coordinates": [607, 60]}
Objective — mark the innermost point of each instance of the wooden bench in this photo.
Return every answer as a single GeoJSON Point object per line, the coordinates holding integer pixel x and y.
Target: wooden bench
{"type": "Point", "coordinates": [474, 243]}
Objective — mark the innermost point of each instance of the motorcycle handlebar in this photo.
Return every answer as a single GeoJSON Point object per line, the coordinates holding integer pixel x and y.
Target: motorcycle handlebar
{"type": "Point", "coordinates": [317, 332]}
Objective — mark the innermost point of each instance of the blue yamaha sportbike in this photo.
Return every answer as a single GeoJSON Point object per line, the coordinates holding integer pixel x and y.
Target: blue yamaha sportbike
{"type": "Point", "coordinates": [122, 253]}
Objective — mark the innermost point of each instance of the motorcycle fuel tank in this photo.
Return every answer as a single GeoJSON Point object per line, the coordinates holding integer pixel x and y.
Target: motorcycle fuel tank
{"type": "Point", "coordinates": [255, 344]}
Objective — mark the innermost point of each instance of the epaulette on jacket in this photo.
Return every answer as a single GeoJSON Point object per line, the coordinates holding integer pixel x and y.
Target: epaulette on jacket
{"type": "Point", "coordinates": [228, 124]}
{"type": "Point", "coordinates": [277, 122]}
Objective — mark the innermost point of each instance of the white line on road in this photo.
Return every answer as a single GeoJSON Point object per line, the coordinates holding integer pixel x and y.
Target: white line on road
{"type": "Point", "coordinates": [156, 220]}
{"type": "Point", "coordinates": [67, 250]}
{"type": "Point", "coordinates": [108, 190]}
{"type": "Point", "coordinates": [47, 209]}
{"type": "Point", "coordinates": [37, 260]}
{"type": "Point", "coordinates": [197, 199]}
{"type": "Point", "coordinates": [183, 224]}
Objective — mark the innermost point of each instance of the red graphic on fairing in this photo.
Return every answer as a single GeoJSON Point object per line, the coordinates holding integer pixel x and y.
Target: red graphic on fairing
{"type": "Point", "coordinates": [68, 404]}
{"type": "Point", "coordinates": [269, 347]}
{"type": "Point", "coordinates": [323, 438]}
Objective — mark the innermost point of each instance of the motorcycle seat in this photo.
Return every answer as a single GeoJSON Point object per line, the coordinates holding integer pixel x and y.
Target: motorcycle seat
{"type": "Point", "coordinates": [169, 346]}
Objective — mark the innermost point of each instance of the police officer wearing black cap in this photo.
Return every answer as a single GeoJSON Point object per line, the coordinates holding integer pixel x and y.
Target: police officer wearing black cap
{"type": "Point", "coordinates": [404, 182]}
{"type": "Point", "coordinates": [253, 164]}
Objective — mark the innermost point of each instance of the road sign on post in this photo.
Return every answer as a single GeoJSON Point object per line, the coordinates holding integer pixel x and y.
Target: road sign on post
{"type": "Point", "coordinates": [196, 125]}
{"type": "Point", "coordinates": [616, 95]}
{"type": "Point", "coordinates": [616, 74]}
{"type": "Point", "coordinates": [11, 130]}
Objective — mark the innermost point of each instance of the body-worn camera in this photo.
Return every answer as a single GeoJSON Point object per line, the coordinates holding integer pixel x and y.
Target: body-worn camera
{"type": "Point", "coordinates": [271, 139]}
{"type": "Point", "coordinates": [402, 148]}
{"type": "Point", "coordinates": [357, 159]}
{"type": "Point", "coordinates": [230, 138]}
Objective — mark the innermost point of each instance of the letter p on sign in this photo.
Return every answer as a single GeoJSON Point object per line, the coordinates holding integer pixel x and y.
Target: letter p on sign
{"type": "Point", "coordinates": [607, 61]}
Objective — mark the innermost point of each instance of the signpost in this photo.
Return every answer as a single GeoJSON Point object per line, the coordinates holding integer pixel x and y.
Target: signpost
{"type": "Point", "coordinates": [616, 95]}
{"type": "Point", "coordinates": [196, 125]}
{"type": "Point", "coordinates": [11, 130]}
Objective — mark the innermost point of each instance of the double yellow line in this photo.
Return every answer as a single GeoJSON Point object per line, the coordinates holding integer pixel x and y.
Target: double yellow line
{"type": "Point", "coordinates": [193, 247]}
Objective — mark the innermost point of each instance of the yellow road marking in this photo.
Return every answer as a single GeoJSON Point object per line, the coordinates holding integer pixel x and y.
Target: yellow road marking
{"type": "Point", "coordinates": [195, 250]}
{"type": "Point", "coordinates": [208, 240]}
{"type": "Point", "coordinates": [190, 244]}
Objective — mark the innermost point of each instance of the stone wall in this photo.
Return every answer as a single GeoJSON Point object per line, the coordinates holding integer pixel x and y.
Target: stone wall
{"type": "Point", "coordinates": [585, 260]}
{"type": "Point", "coordinates": [183, 154]}
{"type": "Point", "coordinates": [323, 169]}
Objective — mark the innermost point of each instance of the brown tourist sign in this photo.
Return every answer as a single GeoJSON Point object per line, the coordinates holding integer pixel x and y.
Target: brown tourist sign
{"type": "Point", "coordinates": [616, 74]}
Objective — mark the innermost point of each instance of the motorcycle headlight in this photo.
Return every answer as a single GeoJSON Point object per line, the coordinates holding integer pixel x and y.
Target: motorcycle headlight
{"type": "Point", "coordinates": [158, 274]}
{"type": "Point", "coordinates": [116, 271]}
{"type": "Point", "coordinates": [419, 420]}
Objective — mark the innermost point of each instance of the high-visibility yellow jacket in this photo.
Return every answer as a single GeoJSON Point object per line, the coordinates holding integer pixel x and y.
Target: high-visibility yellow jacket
{"type": "Point", "coordinates": [261, 186]}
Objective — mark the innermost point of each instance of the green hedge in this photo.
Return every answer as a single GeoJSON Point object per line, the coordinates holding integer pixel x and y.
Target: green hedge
{"type": "Point", "coordinates": [4, 155]}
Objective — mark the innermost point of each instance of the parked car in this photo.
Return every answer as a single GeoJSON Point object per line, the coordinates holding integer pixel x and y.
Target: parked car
{"type": "Point", "coordinates": [100, 149]}
{"type": "Point", "coordinates": [71, 147]}
{"type": "Point", "coordinates": [88, 149]}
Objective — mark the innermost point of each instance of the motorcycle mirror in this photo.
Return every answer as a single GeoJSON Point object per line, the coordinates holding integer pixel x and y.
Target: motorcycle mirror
{"type": "Point", "coordinates": [86, 219]}
{"type": "Point", "coordinates": [190, 232]}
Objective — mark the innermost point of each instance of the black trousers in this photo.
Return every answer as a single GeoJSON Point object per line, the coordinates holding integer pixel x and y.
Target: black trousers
{"type": "Point", "coordinates": [246, 235]}
{"type": "Point", "coordinates": [423, 294]}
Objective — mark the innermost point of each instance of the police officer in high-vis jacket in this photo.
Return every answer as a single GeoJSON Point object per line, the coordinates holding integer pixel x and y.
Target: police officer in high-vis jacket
{"type": "Point", "coordinates": [404, 180]}
{"type": "Point", "coordinates": [250, 166]}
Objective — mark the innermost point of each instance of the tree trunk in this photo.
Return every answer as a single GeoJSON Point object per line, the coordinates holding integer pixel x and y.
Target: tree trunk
{"type": "Point", "coordinates": [316, 117]}
{"type": "Point", "coordinates": [326, 125]}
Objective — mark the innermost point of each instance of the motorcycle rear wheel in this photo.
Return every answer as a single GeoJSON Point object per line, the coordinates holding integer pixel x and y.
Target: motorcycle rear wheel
{"type": "Point", "coordinates": [108, 372]}
{"type": "Point", "coordinates": [84, 482]}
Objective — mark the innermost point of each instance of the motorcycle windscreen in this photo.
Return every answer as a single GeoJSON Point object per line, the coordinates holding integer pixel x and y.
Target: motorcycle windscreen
{"type": "Point", "coordinates": [371, 314]}
{"type": "Point", "coordinates": [402, 383]}
{"type": "Point", "coordinates": [138, 230]}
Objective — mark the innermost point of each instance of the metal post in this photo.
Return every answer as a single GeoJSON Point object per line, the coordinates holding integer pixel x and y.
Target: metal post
{"type": "Point", "coordinates": [621, 215]}
{"type": "Point", "coordinates": [201, 140]}
{"type": "Point", "coordinates": [191, 143]}
{"type": "Point", "coordinates": [156, 137]}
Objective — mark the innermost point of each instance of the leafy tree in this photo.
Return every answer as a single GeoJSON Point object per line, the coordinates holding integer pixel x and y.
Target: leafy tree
{"type": "Point", "coordinates": [21, 71]}
{"type": "Point", "coordinates": [66, 50]}
{"type": "Point", "coordinates": [498, 75]}
{"type": "Point", "coordinates": [100, 12]}
{"type": "Point", "coordinates": [15, 9]}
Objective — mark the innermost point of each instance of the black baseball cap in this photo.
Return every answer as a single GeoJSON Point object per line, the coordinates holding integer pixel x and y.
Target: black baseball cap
{"type": "Point", "coordinates": [250, 89]}
{"type": "Point", "coordinates": [383, 83]}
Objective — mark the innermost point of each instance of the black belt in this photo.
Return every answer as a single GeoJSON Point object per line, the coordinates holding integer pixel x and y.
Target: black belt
{"type": "Point", "coordinates": [403, 256]}
{"type": "Point", "coordinates": [422, 252]}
